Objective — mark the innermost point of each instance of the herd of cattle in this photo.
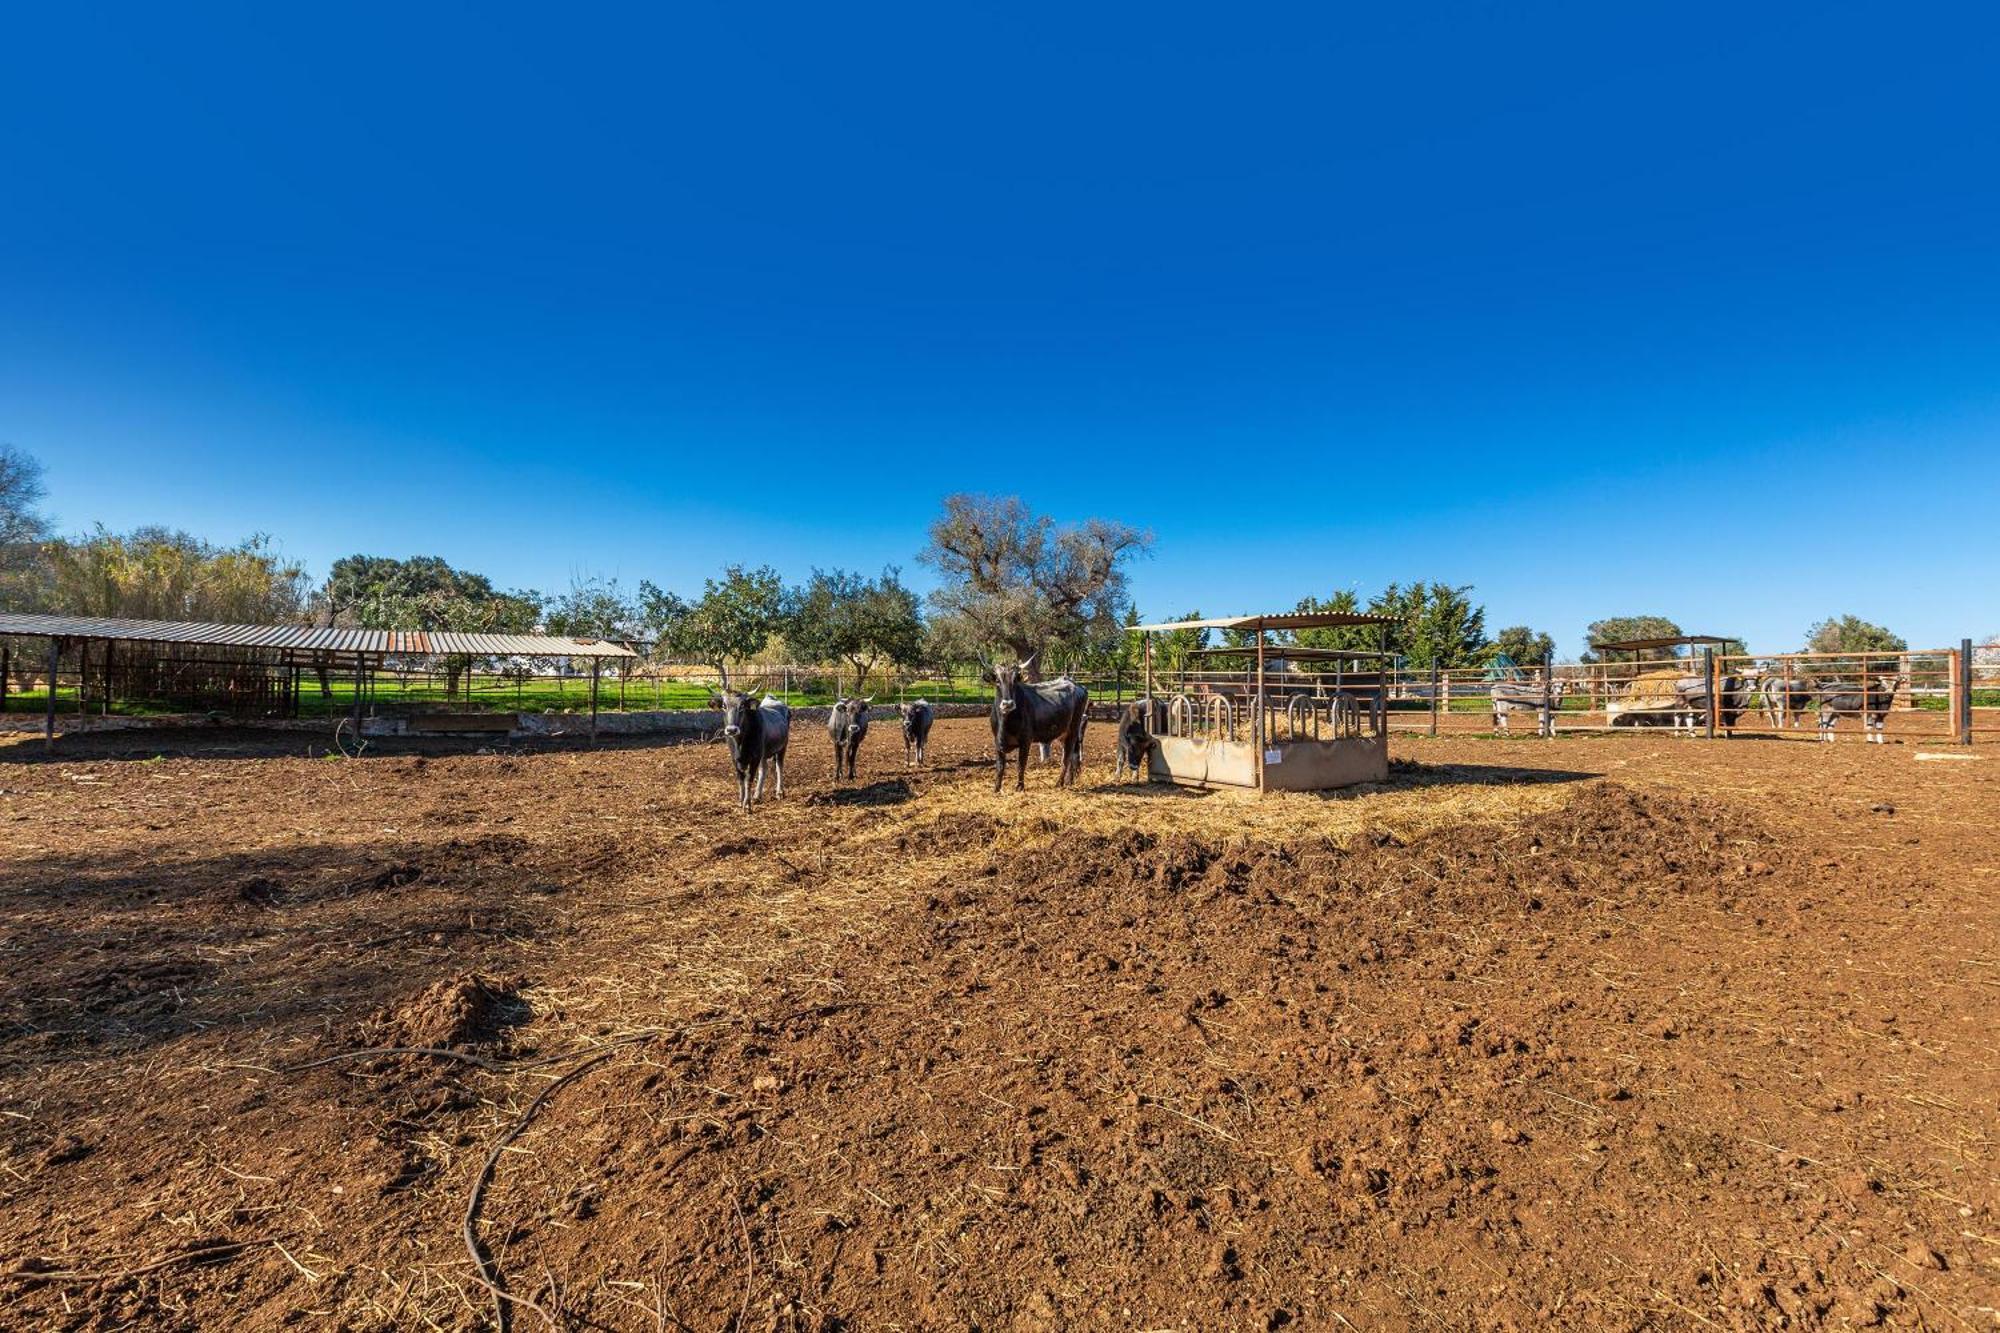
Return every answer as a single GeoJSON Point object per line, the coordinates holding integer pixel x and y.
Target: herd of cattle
{"type": "Point", "coordinates": [1659, 698]}
{"type": "Point", "coordinates": [1039, 713]}
{"type": "Point", "coordinates": [1054, 713]}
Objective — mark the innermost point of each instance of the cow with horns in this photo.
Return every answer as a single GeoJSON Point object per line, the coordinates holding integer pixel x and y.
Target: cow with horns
{"type": "Point", "coordinates": [917, 718]}
{"type": "Point", "coordinates": [1036, 713]}
{"type": "Point", "coordinates": [757, 731]}
{"type": "Point", "coordinates": [847, 725]}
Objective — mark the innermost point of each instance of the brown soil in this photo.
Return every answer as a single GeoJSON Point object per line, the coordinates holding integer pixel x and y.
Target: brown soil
{"type": "Point", "coordinates": [1620, 1032]}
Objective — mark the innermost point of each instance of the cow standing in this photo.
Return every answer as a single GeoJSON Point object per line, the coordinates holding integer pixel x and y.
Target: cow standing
{"type": "Point", "coordinates": [1871, 700]}
{"type": "Point", "coordinates": [1025, 713]}
{"type": "Point", "coordinates": [757, 732]}
{"type": "Point", "coordinates": [847, 724]}
{"type": "Point", "coordinates": [1523, 696]}
{"type": "Point", "coordinates": [1780, 698]}
{"type": "Point", "coordinates": [917, 719]}
{"type": "Point", "coordinates": [1734, 697]}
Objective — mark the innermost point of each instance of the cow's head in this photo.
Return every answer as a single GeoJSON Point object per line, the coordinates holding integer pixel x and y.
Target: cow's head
{"type": "Point", "coordinates": [736, 708]}
{"type": "Point", "coordinates": [1007, 682]}
{"type": "Point", "coordinates": [848, 713]}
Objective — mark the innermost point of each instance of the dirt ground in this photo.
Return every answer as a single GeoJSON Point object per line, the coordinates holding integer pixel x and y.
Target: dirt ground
{"type": "Point", "coordinates": [1620, 1032]}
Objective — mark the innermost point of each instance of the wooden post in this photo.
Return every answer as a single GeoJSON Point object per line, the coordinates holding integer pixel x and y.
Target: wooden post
{"type": "Point", "coordinates": [1548, 702]}
{"type": "Point", "coordinates": [596, 665]}
{"type": "Point", "coordinates": [1149, 666]}
{"type": "Point", "coordinates": [1965, 661]}
{"type": "Point", "coordinates": [6, 666]}
{"type": "Point", "coordinates": [110, 648]}
{"type": "Point", "coordinates": [360, 667]}
{"type": "Point", "coordinates": [1437, 696]}
{"type": "Point", "coordinates": [1714, 703]}
{"type": "Point", "coordinates": [49, 721]}
{"type": "Point", "coordinates": [1257, 710]}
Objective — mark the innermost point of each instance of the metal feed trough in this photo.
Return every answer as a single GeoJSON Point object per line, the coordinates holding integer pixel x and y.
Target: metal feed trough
{"type": "Point", "coordinates": [1265, 716]}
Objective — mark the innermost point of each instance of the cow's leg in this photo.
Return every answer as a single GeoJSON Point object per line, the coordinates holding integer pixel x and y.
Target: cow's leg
{"type": "Point", "coordinates": [999, 764]}
{"type": "Point", "coordinates": [1021, 772]}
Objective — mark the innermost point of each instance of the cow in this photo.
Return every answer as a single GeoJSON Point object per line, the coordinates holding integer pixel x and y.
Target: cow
{"type": "Point", "coordinates": [1780, 698]}
{"type": "Point", "coordinates": [1871, 700]}
{"type": "Point", "coordinates": [1026, 713]}
{"type": "Point", "coordinates": [1135, 737]}
{"type": "Point", "coordinates": [757, 732]}
{"type": "Point", "coordinates": [917, 719]}
{"type": "Point", "coordinates": [1525, 696]}
{"type": "Point", "coordinates": [1735, 696]}
{"type": "Point", "coordinates": [847, 724]}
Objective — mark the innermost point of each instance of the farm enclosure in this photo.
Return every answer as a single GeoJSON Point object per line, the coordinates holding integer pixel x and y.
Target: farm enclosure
{"type": "Point", "coordinates": [1636, 1034]}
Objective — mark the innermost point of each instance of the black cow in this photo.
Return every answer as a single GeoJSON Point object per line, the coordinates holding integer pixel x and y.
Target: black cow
{"type": "Point", "coordinates": [757, 732]}
{"type": "Point", "coordinates": [1871, 700]}
{"type": "Point", "coordinates": [847, 724]}
{"type": "Point", "coordinates": [1135, 738]}
{"type": "Point", "coordinates": [917, 719]}
{"type": "Point", "coordinates": [1735, 696]}
{"type": "Point", "coordinates": [1025, 713]}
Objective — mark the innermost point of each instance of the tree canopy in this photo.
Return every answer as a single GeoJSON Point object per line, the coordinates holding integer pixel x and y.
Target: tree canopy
{"type": "Point", "coordinates": [23, 529]}
{"type": "Point", "coordinates": [845, 617]}
{"type": "Point", "coordinates": [1621, 629]}
{"type": "Point", "coordinates": [1852, 634]}
{"type": "Point", "coordinates": [732, 622]}
{"type": "Point", "coordinates": [592, 608]}
{"type": "Point", "coordinates": [1436, 624]}
{"type": "Point", "coordinates": [1523, 646]}
{"type": "Point", "coordinates": [1018, 581]}
{"type": "Point", "coordinates": [423, 592]}
{"type": "Point", "coordinates": [163, 574]}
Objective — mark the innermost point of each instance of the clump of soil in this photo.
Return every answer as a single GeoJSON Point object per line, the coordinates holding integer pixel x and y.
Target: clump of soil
{"type": "Point", "coordinates": [462, 1011]}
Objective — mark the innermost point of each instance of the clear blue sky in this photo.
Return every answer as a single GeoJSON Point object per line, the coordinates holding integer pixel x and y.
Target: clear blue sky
{"type": "Point", "coordinates": [1598, 308]}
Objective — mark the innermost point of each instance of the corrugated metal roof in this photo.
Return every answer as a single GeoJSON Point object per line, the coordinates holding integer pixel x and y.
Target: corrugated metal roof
{"type": "Point", "coordinates": [309, 639]}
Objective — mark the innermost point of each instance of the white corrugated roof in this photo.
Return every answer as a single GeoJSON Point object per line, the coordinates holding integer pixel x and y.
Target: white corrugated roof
{"type": "Point", "coordinates": [309, 639]}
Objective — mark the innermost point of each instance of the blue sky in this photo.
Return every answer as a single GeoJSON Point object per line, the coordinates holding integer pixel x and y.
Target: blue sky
{"type": "Point", "coordinates": [1600, 309]}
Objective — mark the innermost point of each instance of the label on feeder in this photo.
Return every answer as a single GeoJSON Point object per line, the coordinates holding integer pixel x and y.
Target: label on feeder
{"type": "Point", "coordinates": [1274, 756]}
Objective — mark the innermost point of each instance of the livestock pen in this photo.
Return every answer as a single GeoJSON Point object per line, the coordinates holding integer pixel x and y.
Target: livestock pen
{"type": "Point", "coordinates": [1245, 716]}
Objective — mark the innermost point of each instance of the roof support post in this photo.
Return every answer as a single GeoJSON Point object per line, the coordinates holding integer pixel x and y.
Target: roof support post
{"type": "Point", "coordinates": [1257, 710]}
{"type": "Point", "coordinates": [49, 721]}
{"type": "Point", "coordinates": [1714, 687]}
{"type": "Point", "coordinates": [596, 667]}
{"type": "Point", "coordinates": [6, 667]}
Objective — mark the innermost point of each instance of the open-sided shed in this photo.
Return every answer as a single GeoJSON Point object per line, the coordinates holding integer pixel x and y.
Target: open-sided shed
{"type": "Point", "coordinates": [1267, 716]}
{"type": "Point", "coordinates": [260, 666]}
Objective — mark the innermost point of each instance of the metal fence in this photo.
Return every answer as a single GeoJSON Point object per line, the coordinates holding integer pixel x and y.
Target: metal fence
{"type": "Point", "coordinates": [1934, 695]}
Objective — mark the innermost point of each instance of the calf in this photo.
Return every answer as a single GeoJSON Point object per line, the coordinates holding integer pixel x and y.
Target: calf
{"type": "Point", "coordinates": [1025, 713]}
{"type": "Point", "coordinates": [847, 724]}
{"type": "Point", "coordinates": [917, 719]}
{"type": "Point", "coordinates": [1870, 700]}
{"type": "Point", "coordinates": [1135, 738]}
{"type": "Point", "coordinates": [757, 732]}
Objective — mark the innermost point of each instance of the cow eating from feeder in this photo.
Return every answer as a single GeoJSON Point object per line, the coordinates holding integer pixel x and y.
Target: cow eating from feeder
{"type": "Point", "coordinates": [847, 724]}
{"type": "Point", "coordinates": [1135, 738]}
{"type": "Point", "coordinates": [1028, 713]}
{"type": "Point", "coordinates": [757, 731]}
